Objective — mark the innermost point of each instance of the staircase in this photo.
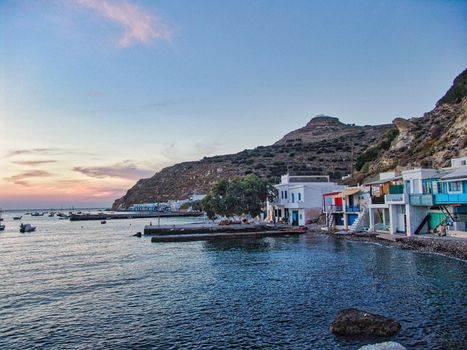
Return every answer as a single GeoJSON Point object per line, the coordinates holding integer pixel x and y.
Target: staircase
{"type": "Point", "coordinates": [330, 220]}
{"type": "Point", "coordinates": [361, 222]}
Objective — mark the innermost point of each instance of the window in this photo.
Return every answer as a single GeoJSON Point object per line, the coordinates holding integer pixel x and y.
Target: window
{"type": "Point", "coordinates": [299, 197]}
{"type": "Point", "coordinates": [285, 194]}
{"type": "Point", "coordinates": [454, 186]}
{"type": "Point", "coordinates": [301, 217]}
{"type": "Point", "coordinates": [293, 197]}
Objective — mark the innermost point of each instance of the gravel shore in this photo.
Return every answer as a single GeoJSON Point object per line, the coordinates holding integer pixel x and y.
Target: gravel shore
{"type": "Point", "coordinates": [448, 246]}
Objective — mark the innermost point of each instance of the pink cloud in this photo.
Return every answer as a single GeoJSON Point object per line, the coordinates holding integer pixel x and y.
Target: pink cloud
{"type": "Point", "coordinates": [139, 26]}
{"type": "Point", "coordinates": [125, 170]}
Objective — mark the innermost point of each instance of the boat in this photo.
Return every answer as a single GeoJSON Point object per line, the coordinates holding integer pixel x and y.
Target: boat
{"type": "Point", "coordinates": [26, 228]}
{"type": "Point", "coordinates": [17, 217]}
{"type": "Point", "coordinates": [51, 215]}
{"type": "Point", "coordinates": [103, 222]}
{"type": "Point", "coordinates": [2, 227]}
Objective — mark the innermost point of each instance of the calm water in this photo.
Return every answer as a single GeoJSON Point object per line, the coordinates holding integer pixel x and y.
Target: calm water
{"type": "Point", "coordinates": [90, 286]}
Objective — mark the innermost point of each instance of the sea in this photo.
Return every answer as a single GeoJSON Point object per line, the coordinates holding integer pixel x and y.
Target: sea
{"type": "Point", "coordinates": [86, 285]}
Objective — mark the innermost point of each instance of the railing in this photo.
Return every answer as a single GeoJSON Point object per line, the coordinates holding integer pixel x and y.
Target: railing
{"type": "Point", "coordinates": [377, 200]}
{"type": "Point", "coordinates": [396, 189]}
{"type": "Point", "coordinates": [399, 197]}
{"type": "Point", "coordinates": [421, 200]}
{"type": "Point", "coordinates": [334, 208]}
{"type": "Point", "coordinates": [381, 227]}
{"type": "Point", "coordinates": [449, 198]}
{"type": "Point", "coordinates": [355, 209]}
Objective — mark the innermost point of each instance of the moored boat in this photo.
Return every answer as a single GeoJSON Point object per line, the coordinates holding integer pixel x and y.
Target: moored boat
{"type": "Point", "coordinates": [17, 217]}
{"type": "Point", "coordinates": [26, 228]}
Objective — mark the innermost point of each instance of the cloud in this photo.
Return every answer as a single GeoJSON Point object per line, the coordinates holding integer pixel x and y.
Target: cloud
{"type": "Point", "coordinates": [34, 162]}
{"type": "Point", "coordinates": [19, 179]}
{"type": "Point", "coordinates": [125, 170]}
{"type": "Point", "coordinates": [139, 25]}
{"type": "Point", "coordinates": [33, 151]}
{"type": "Point", "coordinates": [46, 151]}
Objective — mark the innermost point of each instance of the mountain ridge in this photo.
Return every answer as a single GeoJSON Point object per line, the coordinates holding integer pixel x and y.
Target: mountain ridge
{"type": "Point", "coordinates": [325, 146]}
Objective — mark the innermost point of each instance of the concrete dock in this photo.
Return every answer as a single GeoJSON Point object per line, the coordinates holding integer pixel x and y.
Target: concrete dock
{"type": "Point", "coordinates": [206, 228]}
{"type": "Point", "coordinates": [223, 235]}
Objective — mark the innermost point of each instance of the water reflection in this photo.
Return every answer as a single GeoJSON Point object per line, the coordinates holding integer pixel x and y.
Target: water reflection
{"type": "Point", "coordinates": [94, 286]}
{"type": "Point", "coordinates": [249, 245]}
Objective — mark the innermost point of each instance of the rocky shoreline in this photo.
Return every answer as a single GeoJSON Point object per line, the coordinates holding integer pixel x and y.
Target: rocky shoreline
{"type": "Point", "coordinates": [450, 247]}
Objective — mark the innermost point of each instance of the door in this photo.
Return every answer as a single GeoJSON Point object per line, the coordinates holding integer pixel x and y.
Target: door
{"type": "Point", "coordinates": [294, 218]}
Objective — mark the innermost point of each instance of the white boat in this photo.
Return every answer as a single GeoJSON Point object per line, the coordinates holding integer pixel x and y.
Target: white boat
{"type": "Point", "coordinates": [26, 228]}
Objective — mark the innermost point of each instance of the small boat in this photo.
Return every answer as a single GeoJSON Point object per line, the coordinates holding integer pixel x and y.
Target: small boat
{"type": "Point", "coordinates": [63, 217]}
{"type": "Point", "coordinates": [26, 228]}
{"type": "Point", "coordinates": [103, 222]}
{"type": "Point", "coordinates": [51, 215]}
{"type": "Point", "coordinates": [2, 227]}
{"type": "Point", "coordinates": [17, 217]}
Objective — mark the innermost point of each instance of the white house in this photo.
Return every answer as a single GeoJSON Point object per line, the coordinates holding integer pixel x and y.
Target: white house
{"type": "Point", "coordinates": [300, 198]}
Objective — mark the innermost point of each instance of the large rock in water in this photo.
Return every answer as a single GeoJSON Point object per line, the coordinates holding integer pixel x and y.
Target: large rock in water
{"type": "Point", "coordinates": [387, 345]}
{"type": "Point", "coordinates": [354, 322]}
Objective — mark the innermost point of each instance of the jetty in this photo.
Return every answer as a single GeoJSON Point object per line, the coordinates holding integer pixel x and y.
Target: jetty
{"type": "Point", "coordinates": [136, 215]}
{"type": "Point", "coordinates": [191, 233]}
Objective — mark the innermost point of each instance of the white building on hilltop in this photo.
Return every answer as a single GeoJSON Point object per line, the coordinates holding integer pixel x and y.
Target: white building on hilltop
{"type": "Point", "coordinates": [300, 198]}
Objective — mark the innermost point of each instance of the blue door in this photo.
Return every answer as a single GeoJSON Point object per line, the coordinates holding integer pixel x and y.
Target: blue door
{"type": "Point", "coordinates": [295, 218]}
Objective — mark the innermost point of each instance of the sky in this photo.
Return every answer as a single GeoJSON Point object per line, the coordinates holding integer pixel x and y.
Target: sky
{"type": "Point", "coordinates": [96, 94]}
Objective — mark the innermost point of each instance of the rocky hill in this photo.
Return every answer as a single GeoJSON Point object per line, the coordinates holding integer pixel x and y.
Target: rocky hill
{"type": "Point", "coordinates": [323, 146]}
{"type": "Point", "coordinates": [429, 141]}
{"type": "Point", "coordinates": [326, 146]}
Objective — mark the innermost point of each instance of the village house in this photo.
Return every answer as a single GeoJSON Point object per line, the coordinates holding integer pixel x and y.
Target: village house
{"type": "Point", "coordinates": [300, 199]}
{"type": "Point", "coordinates": [419, 200]}
{"type": "Point", "coordinates": [346, 209]}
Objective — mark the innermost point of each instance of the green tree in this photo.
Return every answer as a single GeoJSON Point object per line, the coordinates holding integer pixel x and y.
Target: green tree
{"type": "Point", "coordinates": [240, 196]}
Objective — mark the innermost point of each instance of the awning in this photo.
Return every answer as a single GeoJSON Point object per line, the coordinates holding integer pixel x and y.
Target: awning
{"type": "Point", "coordinates": [460, 173]}
{"type": "Point", "coordinates": [383, 181]}
{"type": "Point", "coordinates": [347, 192]}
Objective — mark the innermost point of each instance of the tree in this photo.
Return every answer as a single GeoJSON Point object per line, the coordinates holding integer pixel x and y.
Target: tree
{"type": "Point", "coordinates": [239, 196]}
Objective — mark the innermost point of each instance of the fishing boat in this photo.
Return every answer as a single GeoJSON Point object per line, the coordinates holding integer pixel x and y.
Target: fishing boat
{"type": "Point", "coordinates": [17, 217]}
{"type": "Point", "coordinates": [26, 228]}
{"type": "Point", "coordinates": [103, 222]}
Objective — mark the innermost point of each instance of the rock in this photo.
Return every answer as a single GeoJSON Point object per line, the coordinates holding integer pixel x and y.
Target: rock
{"type": "Point", "coordinates": [388, 345]}
{"type": "Point", "coordinates": [137, 234]}
{"type": "Point", "coordinates": [354, 322]}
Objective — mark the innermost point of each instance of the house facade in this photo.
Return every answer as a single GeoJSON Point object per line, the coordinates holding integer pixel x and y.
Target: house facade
{"type": "Point", "coordinates": [300, 199]}
{"type": "Point", "coordinates": [419, 200]}
{"type": "Point", "coordinates": [347, 208]}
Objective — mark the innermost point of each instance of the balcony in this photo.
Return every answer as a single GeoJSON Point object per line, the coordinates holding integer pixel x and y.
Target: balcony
{"type": "Point", "coordinates": [378, 200]}
{"type": "Point", "coordinates": [396, 198]}
{"type": "Point", "coordinates": [334, 209]}
{"type": "Point", "coordinates": [355, 209]}
{"type": "Point", "coordinates": [450, 198]}
{"type": "Point", "coordinates": [421, 200]}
